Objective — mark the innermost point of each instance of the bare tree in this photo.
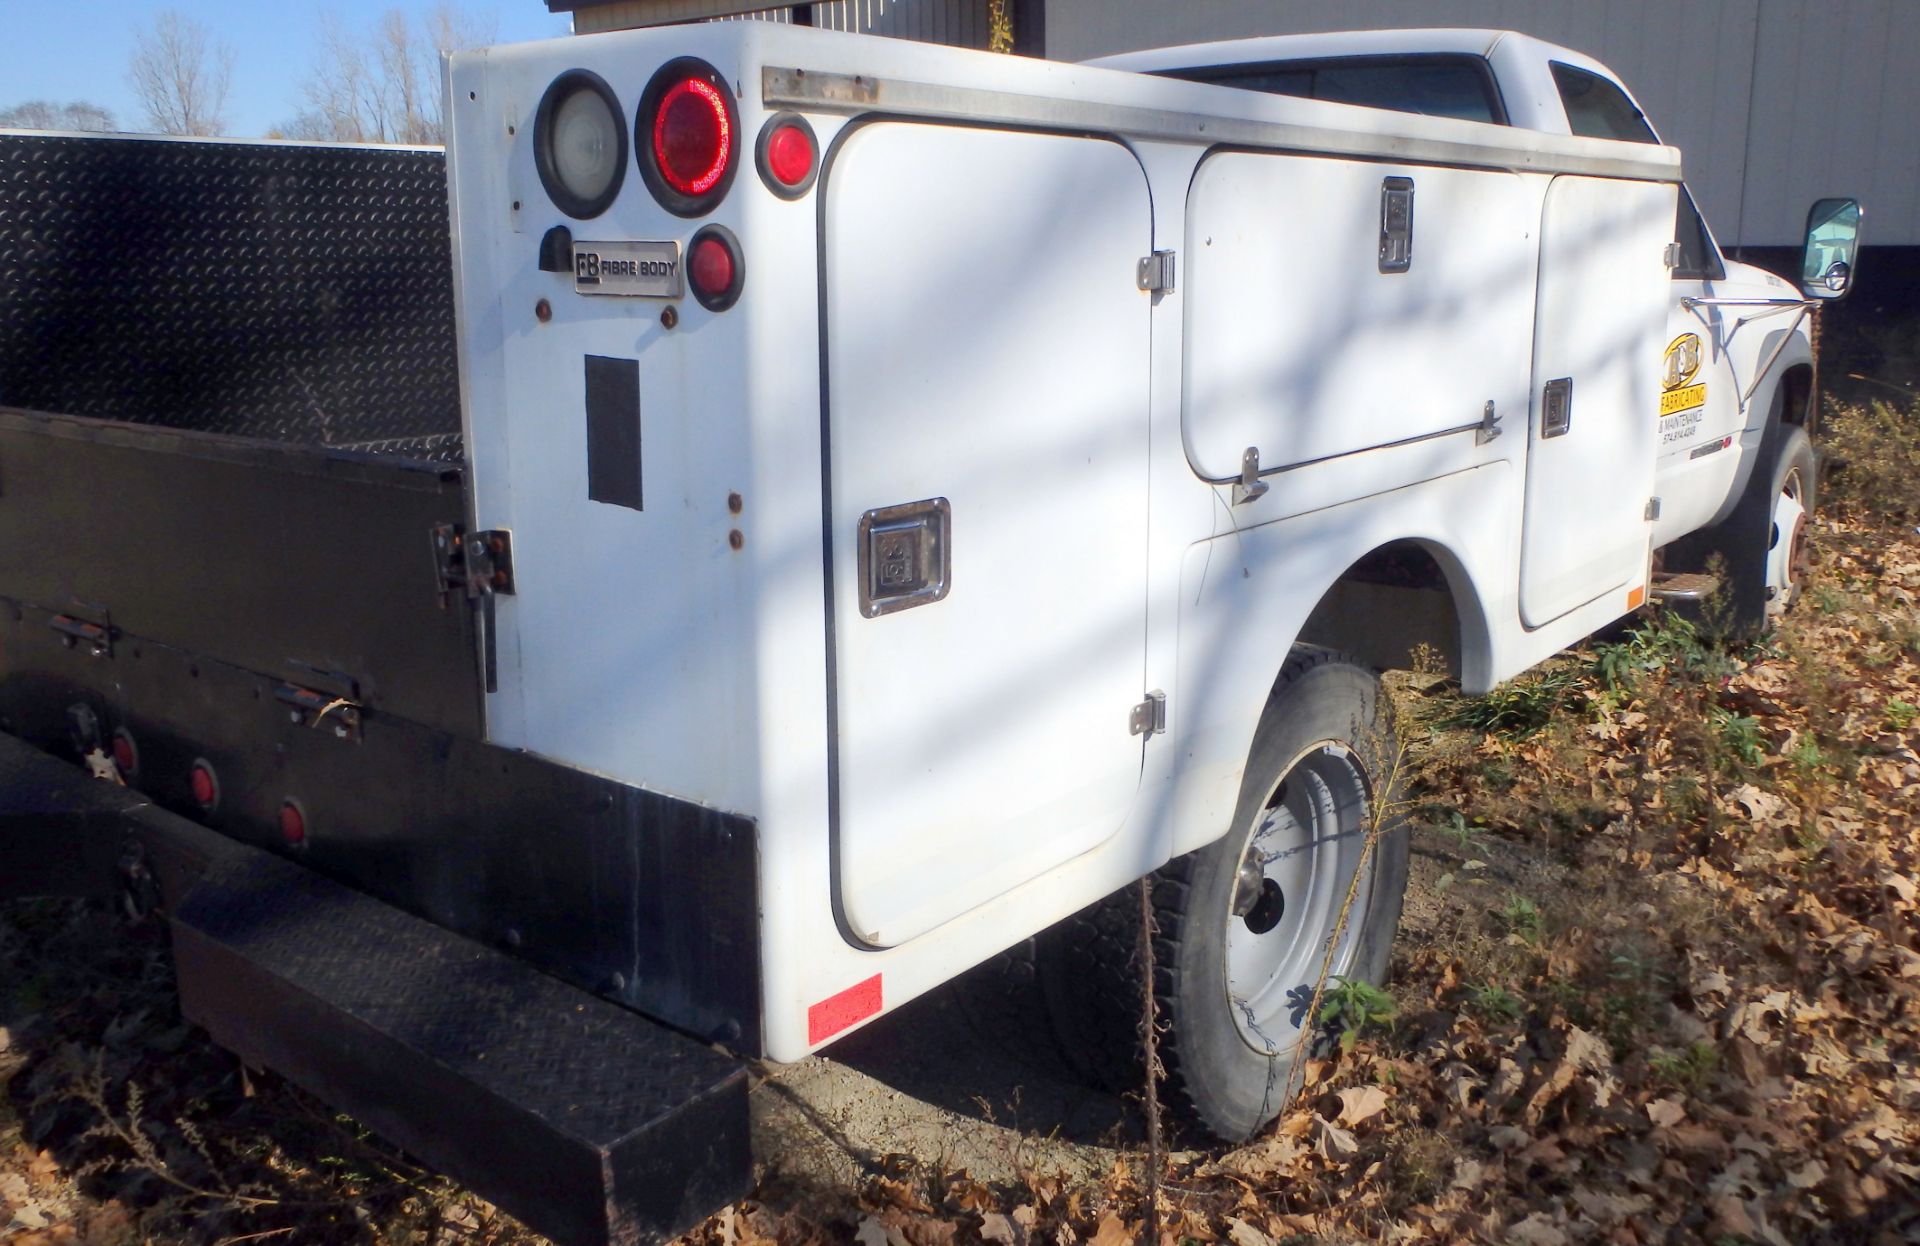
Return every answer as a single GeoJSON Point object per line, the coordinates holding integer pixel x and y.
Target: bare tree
{"type": "Point", "coordinates": [47, 115]}
{"type": "Point", "coordinates": [181, 75]}
{"type": "Point", "coordinates": [384, 86]}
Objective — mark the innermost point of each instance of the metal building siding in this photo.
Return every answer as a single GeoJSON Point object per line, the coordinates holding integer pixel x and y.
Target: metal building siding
{"type": "Point", "coordinates": [1836, 110]}
{"type": "Point", "coordinates": [1774, 102]}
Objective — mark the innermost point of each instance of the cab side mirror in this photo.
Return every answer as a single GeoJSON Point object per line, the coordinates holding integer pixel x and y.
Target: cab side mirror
{"type": "Point", "coordinates": [1833, 236]}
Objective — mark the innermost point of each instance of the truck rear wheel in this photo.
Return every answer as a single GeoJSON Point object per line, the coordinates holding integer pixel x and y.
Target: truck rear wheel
{"type": "Point", "coordinates": [1305, 887]}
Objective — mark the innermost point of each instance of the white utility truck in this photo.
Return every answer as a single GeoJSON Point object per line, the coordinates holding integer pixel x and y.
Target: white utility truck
{"type": "Point", "coordinates": [897, 498]}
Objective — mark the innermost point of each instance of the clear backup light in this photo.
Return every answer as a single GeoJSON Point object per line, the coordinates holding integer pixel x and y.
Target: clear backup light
{"type": "Point", "coordinates": [580, 144]}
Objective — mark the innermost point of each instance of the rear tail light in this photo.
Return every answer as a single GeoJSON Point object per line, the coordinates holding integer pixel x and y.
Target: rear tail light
{"type": "Point", "coordinates": [788, 155]}
{"type": "Point", "coordinates": [715, 268]}
{"type": "Point", "coordinates": [687, 133]}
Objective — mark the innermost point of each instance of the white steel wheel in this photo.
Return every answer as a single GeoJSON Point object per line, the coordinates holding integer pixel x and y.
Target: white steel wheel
{"type": "Point", "coordinates": [1793, 501]}
{"type": "Point", "coordinates": [1304, 861]}
{"type": "Point", "coordinates": [1252, 925]}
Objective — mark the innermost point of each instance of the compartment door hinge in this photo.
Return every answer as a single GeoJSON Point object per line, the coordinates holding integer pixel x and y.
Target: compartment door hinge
{"type": "Point", "coordinates": [1150, 716]}
{"type": "Point", "coordinates": [1154, 273]}
{"type": "Point", "coordinates": [479, 564]}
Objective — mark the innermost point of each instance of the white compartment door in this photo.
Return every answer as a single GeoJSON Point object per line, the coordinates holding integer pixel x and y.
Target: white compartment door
{"type": "Point", "coordinates": [987, 354]}
{"type": "Point", "coordinates": [1595, 419]}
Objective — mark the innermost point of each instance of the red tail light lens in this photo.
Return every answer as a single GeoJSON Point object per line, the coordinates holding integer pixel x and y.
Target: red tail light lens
{"type": "Point", "coordinates": [692, 136]}
{"type": "Point", "coordinates": [206, 788]}
{"type": "Point", "coordinates": [788, 155]}
{"type": "Point", "coordinates": [126, 758]}
{"type": "Point", "coordinates": [688, 136]}
{"type": "Point", "coordinates": [293, 823]}
{"type": "Point", "coordinates": [715, 268]}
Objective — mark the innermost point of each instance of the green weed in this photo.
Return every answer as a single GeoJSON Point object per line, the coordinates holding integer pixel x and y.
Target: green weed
{"type": "Point", "coordinates": [1495, 1003]}
{"type": "Point", "coordinates": [1517, 708]}
{"type": "Point", "coordinates": [1352, 1006]}
{"type": "Point", "coordinates": [1522, 917]}
{"type": "Point", "coordinates": [1686, 1070]}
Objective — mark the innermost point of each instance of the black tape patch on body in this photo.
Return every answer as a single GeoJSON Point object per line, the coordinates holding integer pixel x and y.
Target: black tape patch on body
{"type": "Point", "coordinates": [613, 431]}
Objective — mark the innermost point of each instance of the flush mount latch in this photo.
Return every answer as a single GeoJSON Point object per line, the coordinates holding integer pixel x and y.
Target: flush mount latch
{"type": "Point", "coordinates": [905, 556]}
{"type": "Point", "coordinates": [1396, 224]}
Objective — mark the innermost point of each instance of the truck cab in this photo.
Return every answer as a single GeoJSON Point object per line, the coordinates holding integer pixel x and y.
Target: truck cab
{"type": "Point", "coordinates": [1739, 358]}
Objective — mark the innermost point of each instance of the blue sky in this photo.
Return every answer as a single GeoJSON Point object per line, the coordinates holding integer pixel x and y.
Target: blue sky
{"type": "Point", "coordinates": [66, 50]}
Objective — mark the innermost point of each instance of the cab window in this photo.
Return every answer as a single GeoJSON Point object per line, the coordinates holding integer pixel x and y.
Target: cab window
{"type": "Point", "coordinates": [1699, 258]}
{"type": "Point", "coordinates": [1441, 85]}
{"type": "Point", "coordinates": [1597, 108]}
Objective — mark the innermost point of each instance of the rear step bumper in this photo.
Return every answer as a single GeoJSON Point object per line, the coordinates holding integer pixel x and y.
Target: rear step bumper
{"type": "Point", "coordinates": [589, 1122]}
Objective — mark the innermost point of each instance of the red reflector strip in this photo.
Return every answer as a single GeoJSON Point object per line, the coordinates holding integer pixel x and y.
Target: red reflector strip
{"type": "Point", "coordinates": [837, 1012]}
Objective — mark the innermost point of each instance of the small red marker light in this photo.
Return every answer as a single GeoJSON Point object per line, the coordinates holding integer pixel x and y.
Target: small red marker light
{"type": "Point", "coordinates": [715, 270]}
{"type": "Point", "coordinates": [712, 267]}
{"type": "Point", "coordinates": [787, 154]}
{"type": "Point", "coordinates": [293, 824]}
{"type": "Point", "coordinates": [126, 758]}
{"type": "Point", "coordinates": [206, 788]}
{"type": "Point", "coordinates": [790, 155]}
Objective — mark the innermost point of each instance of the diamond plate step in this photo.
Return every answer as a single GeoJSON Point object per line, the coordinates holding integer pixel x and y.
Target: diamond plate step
{"type": "Point", "coordinates": [1684, 586]}
{"type": "Point", "coordinates": [592, 1124]}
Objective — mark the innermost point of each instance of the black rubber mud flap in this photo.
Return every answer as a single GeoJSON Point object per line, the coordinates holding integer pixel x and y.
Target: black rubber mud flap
{"type": "Point", "coordinates": [589, 1122]}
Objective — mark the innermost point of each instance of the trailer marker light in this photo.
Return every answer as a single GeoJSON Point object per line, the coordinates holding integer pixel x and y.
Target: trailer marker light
{"type": "Point", "coordinates": [787, 155]}
{"type": "Point", "coordinates": [126, 756]}
{"type": "Point", "coordinates": [687, 134]}
{"type": "Point", "coordinates": [839, 1012]}
{"type": "Point", "coordinates": [204, 784]}
{"type": "Point", "coordinates": [293, 823]}
{"type": "Point", "coordinates": [715, 269]}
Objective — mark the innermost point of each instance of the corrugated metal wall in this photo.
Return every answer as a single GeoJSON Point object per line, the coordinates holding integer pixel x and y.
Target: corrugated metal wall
{"type": "Point", "coordinates": [1774, 102]}
{"type": "Point", "coordinates": [957, 23]}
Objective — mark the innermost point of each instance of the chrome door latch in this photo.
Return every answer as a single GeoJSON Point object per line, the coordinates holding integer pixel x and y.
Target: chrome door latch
{"type": "Point", "coordinates": [1150, 716]}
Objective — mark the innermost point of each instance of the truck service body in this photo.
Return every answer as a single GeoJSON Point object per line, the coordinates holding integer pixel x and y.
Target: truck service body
{"type": "Point", "coordinates": [902, 496]}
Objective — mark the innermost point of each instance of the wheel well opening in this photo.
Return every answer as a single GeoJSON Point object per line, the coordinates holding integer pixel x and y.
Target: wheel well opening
{"type": "Point", "coordinates": [1394, 610]}
{"type": "Point", "coordinates": [1796, 405]}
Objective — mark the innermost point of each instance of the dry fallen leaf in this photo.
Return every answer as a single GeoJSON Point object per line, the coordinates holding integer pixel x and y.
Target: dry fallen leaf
{"type": "Point", "coordinates": [1240, 1233]}
{"type": "Point", "coordinates": [1359, 1103]}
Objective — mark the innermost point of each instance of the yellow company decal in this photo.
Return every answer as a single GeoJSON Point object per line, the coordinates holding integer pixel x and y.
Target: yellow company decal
{"type": "Point", "coordinates": [1677, 400]}
{"type": "Point", "coordinates": [1683, 360]}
